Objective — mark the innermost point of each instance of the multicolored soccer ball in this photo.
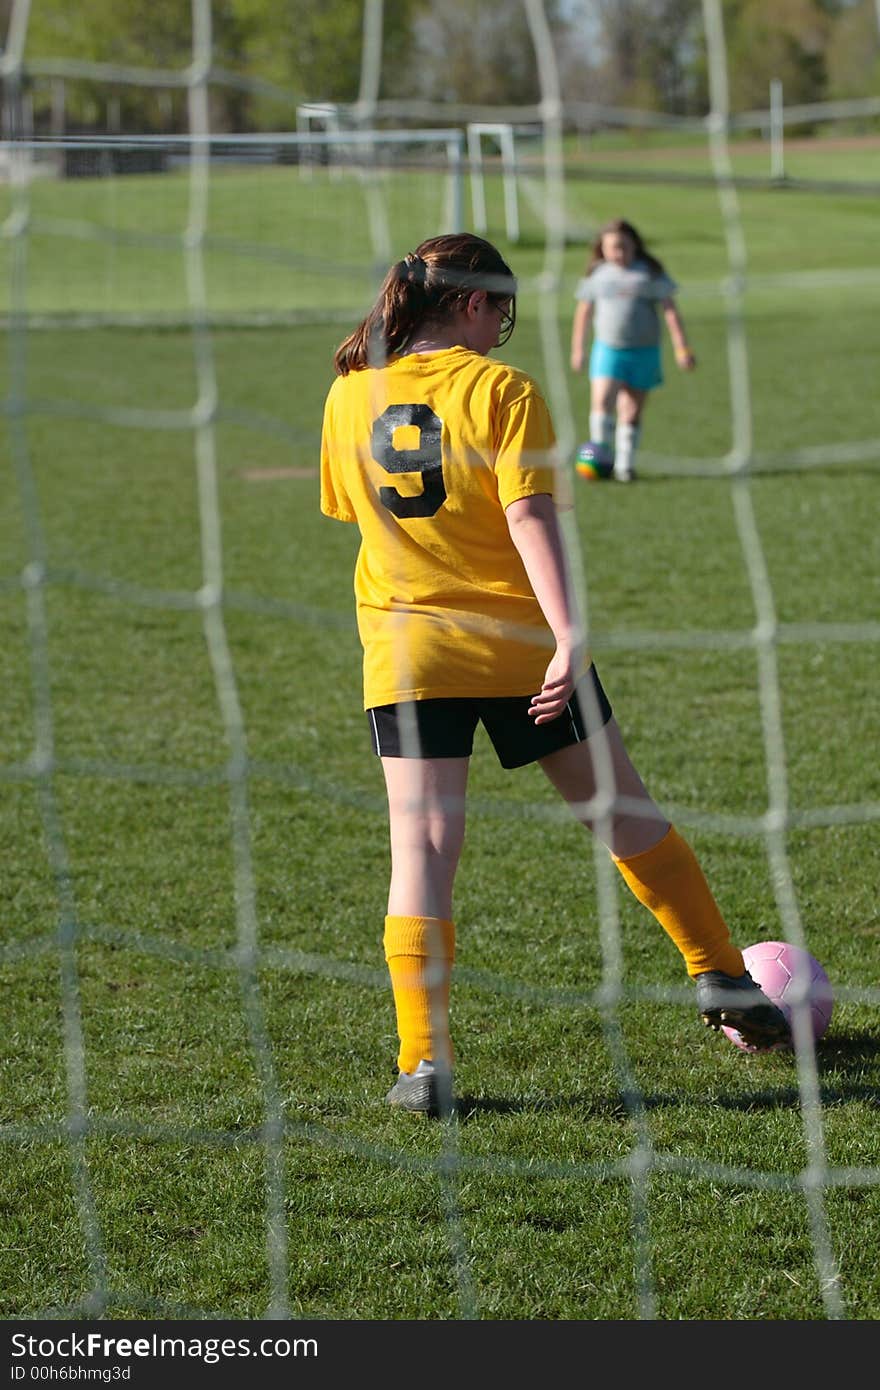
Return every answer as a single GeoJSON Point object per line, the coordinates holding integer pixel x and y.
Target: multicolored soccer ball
{"type": "Point", "coordinates": [593, 461]}
{"type": "Point", "coordinates": [788, 974]}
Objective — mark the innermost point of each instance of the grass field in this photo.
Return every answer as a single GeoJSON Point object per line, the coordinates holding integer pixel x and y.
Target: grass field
{"type": "Point", "coordinates": [199, 1028]}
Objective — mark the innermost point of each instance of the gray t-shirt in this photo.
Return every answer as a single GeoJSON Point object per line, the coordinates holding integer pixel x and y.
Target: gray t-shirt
{"type": "Point", "coordinates": [625, 299]}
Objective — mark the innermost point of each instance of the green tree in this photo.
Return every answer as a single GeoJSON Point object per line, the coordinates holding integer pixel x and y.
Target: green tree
{"type": "Point", "coordinates": [468, 51]}
{"type": "Point", "coordinates": [854, 52]}
{"type": "Point", "coordinates": [144, 34]}
{"type": "Point", "coordinates": [314, 49]}
{"type": "Point", "coordinates": [308, 50]}
{"type": "Point", "coordinates": [782, 39]}
{"type": "Point", "coordinates": [646, 50]}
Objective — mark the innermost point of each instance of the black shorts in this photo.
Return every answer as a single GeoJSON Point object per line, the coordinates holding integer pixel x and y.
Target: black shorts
{"type": "Point", "coordinates": [444, 728]}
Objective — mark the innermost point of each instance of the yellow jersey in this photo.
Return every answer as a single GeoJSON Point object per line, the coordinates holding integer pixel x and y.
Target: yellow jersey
{"type": "Point", "coordinates": [424, 454]}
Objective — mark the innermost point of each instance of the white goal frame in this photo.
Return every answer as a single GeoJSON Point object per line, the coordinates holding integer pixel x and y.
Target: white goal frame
{"type": "Point", "coordinates": [503, 135]}
{"type": "Point", "coordinates": [325, 115]}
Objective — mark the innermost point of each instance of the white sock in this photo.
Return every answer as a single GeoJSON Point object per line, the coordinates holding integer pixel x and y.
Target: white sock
{"type": "Point", "coordinates": [626, 439]}
{"type": "Point", "coordinates": [601, 427]}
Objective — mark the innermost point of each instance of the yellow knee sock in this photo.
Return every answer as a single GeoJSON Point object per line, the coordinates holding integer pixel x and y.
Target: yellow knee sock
{"type": "Point", "coordinates": [420, 952]}
{"type": "Point", "coordinates": [669, 881]}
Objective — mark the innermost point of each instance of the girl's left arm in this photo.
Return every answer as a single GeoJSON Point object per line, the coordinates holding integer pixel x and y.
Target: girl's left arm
{"type": "Point", "coordinates": [674, 322]}
{"type": "Point", "coordinates": [534, 529]}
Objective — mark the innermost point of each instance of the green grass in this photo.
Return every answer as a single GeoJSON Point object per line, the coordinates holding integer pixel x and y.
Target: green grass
{"type": "Point", "coordinates": [832, 154]}
{"type": "Point", "coordinates": [131, 847]}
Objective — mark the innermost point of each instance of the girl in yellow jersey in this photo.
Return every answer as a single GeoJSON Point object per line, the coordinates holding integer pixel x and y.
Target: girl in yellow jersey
{"type": "Point", "coordinates": [445, 459]}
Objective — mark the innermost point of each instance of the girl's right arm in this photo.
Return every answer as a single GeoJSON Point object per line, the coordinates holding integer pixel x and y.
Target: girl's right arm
{"type": "Point", "coordinates": [583, 315]}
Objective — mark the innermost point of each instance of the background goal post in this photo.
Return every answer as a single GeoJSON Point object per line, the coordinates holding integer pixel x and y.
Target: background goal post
{"type": "Point", "coordinates": [502, 133]}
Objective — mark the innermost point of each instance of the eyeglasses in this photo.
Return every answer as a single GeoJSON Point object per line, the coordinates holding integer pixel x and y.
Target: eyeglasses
{"type": "Point", "coordinates": [507, 310]}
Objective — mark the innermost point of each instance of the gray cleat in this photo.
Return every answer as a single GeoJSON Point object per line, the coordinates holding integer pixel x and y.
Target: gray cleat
{"type": "Point", "coordinates": [427, 1090]}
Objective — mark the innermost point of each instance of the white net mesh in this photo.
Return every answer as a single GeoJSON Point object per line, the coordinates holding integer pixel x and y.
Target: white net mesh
{"type": "Point", "coordinates": [163, 232]}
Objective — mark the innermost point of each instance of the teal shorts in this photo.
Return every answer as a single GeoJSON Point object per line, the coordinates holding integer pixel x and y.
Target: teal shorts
{"type": "Point", "coordinates": [638, 367]}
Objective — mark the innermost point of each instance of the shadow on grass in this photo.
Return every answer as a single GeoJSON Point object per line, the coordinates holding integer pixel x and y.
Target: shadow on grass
{"type": "Point", "coordinates": [590, 1107]}
{"type": "Point", "coordinates": [842, 1063]}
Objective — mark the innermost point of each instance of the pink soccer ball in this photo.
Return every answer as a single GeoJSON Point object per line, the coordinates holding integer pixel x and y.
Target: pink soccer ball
{"type": "Point", "coordinates": [787, 975]}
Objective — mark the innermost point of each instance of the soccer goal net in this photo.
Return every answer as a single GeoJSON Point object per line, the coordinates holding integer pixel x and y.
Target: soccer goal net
{"type": "Point", "coordinates": [135, 207]}
{"type": "Point", "coordinates": [196, 835]}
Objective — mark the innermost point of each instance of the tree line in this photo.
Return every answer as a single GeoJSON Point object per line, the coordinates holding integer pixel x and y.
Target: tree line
{"type": "Point", "coordinates": [270, 55]}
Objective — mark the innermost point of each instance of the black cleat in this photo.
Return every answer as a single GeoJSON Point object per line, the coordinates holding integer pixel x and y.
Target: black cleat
{"type": "Point", "coordinates": [736, 1002]}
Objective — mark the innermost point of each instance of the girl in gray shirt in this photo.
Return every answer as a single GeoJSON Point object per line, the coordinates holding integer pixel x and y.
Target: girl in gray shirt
{"type": "Point", "coordinates": [618, 298]}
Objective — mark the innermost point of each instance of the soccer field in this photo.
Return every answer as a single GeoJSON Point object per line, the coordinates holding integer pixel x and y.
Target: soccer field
{"type": "Point", "coordinates": [199, 1027]}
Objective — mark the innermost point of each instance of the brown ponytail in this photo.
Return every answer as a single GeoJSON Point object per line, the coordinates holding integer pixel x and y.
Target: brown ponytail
{"type": "Point", "coordinates": [424, 288]}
